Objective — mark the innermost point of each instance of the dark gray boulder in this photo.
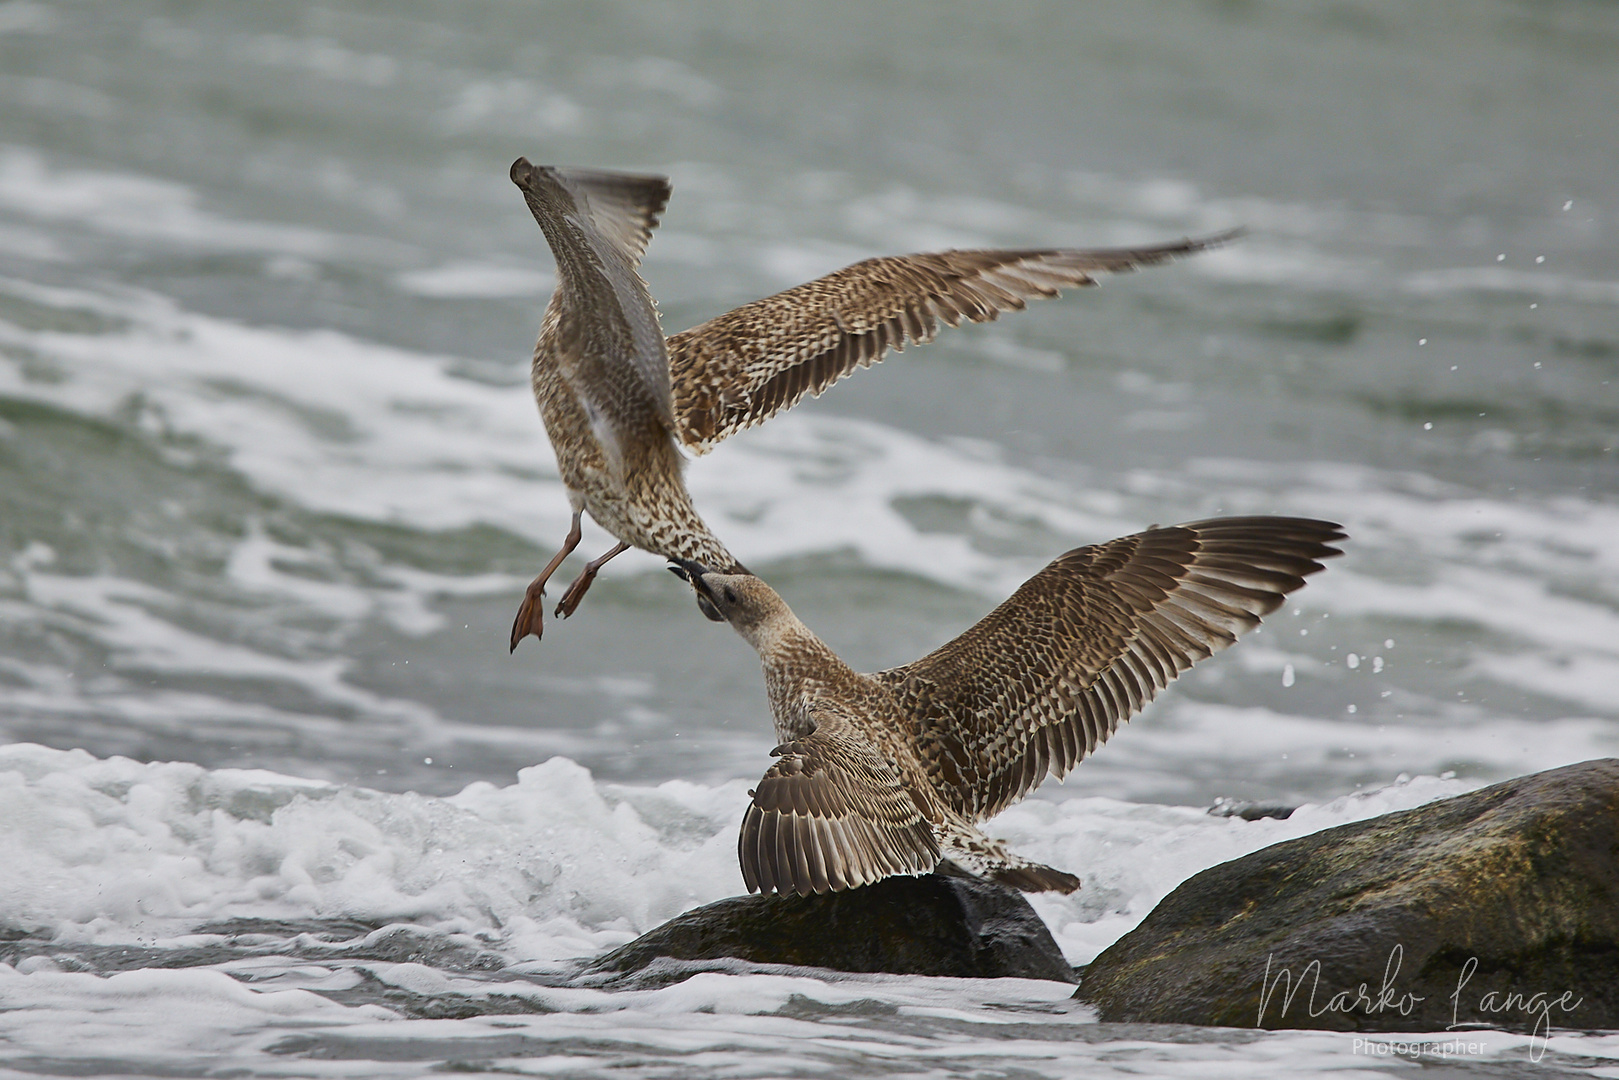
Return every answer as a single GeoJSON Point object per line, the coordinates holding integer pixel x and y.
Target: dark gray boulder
{"type": "Point", "coordinates": [931, 925]}
{"type": "Point", "coordinates": [1499, 907]}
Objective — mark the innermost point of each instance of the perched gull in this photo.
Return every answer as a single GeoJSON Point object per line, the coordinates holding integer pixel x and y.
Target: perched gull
{"type": "Point", "coordinates": [619, 401]}
{"type": "Point", "coordinates": [891, 773]}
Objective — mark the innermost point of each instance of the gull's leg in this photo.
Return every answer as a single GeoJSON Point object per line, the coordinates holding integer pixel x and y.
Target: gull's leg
{"type": "Point", "coordinates": [531, 615]}
{"type": "Point", "coordinates": [581, 584]}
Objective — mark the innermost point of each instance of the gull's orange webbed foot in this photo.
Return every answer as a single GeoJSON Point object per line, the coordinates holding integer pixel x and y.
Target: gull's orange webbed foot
{"type": "Point", "coordinates": [581, 584]}
{"type": "Point", "coordinates": [530, 614]}
{"type": "Point", "coordinates": [576, 592]}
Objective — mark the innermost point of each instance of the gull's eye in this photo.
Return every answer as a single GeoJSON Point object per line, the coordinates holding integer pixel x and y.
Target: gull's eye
{"type": "Point", "coordinates": [730, 595]}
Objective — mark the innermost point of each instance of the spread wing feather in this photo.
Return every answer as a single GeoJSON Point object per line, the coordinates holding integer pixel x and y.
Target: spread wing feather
{"type": "Point", "coordinates": [616, 376]}
{"type": "Point", "coordinates": [602, 323]}
{"type": "Point", "coordinates": [625, 207]}
{"type": "Point", "coordinates": [1082, 646]}
{"type": "Point", "coordinates": [831, 815]}
{"type": "Point", "coordinates": [745, 366]}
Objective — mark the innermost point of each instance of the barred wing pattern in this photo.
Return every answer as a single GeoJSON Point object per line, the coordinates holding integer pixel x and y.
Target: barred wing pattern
{"type": "Point", "coordinates": [601, 327]}
{"type": "Point", "coordinates": [620, 363]}
{"type": "Point", "coordinates": [831, 815]}
{"type": "Point", "coordinates": [749, 364]}
{"type": "Point", "coordinates": [1083, 645]}
{"type": "Point", "coordinates": [624, 206]}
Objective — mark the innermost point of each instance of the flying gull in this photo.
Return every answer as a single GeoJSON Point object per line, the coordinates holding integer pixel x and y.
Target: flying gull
{"type": "Point", "coordinates": [620, 402]}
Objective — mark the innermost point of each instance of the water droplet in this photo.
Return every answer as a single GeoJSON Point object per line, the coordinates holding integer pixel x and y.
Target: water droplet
{"type": "Point", "coordinates": [1388, 643]}
{"type": "Point", "coordinates": [1569, 205]}
{"type": "Point", "coordinates": [1351, 712]}
{"type": "Point", "coordinates": [1422, 341]}
{"type": "Point", "coordinates": [1533, 306]}
{"type": "Point", "coordinates": [1377, 664]}
{"type": "Point", "coordinates": [1428, 426]}
{"type": "Point", "coordinates": [1353, 660]}
{"type": "Point", "coordinates": [1287, 678]}
{"type": "Point", "coordinates": [1540, 258]}
{"type": "Point", "coordinates": [1501, 257]}
{"type": "Point", "coordinates": [427, 761]}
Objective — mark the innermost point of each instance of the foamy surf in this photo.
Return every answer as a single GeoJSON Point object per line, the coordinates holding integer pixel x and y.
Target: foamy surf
{"type": "Point", "coordinates": [330, 921]}
{"type": "Point", "coordinates": [1506, 636]}
{"type": "Point", "coordinates": [271, 484]}
{"type": "Point", "coordinates": [557, 865]}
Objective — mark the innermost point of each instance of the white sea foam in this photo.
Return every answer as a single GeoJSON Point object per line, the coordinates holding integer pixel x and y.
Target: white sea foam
{"type": "Point", "coordinates": [711, 1023]}
{"type": "Point", "coordinates": [369, 431]}
{"type": "Point", "coordinates": [151, 1016]}
{"type": "Point", "coordinates": [1243, 752]}
{"type": "Point", "coordinates": [141, 208]}
{"type": "Point", "coordinates": [356, 428]}
{"type": "Point", "coordinates": [334, 424]}
{"type": "Point", "coordinates": [1511, 594]}
{"type": "Point", "coordinates": [472, 279]}
{"type": "Point", "coordinates": [557, 865]}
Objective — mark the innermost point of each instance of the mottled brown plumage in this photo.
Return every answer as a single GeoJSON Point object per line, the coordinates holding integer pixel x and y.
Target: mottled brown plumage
{"type": "Point", "coordinates": [601, 377]}
{"type": "Point", "coordinates": [619, 401]}
{"type": "Point", "coordinates": [749, 364]}
{"type": "Point", "coordinates": [886, 773]}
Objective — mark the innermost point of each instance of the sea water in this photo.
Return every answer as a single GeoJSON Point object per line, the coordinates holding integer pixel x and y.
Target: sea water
{"type": "Point", "coordinates": [274, 798]}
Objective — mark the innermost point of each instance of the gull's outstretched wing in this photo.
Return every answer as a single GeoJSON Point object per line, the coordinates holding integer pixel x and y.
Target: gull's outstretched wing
{"type": "Point", "coordinates": [749, 364]}
{"type": "Point", "coordinates": [602, 317]}
{"type": "Point", "coordinates": [1084, 644]}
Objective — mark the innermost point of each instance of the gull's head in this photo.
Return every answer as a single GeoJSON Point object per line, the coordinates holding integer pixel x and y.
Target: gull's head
{"type": "Point", "coordinates": [544, 189]}
{"type": "Point", "coordinates": [532, 177]}
{"type": "Point", "coordinates": [742, 600]}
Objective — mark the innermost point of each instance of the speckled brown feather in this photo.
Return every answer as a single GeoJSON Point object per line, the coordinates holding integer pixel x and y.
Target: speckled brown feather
{"type": "Point", "coordinates": [600, 370]}
{"type": "Point", "coordinates": [745, 366]}
{"type": "Point", "coordinates": [1032, 688]}
{"type": "Point", "coordinates": [831, 815]}
{"type": "Point", "coordinates": [618, 400]}
{"type": "Point", "coordinates": [1082, 646]}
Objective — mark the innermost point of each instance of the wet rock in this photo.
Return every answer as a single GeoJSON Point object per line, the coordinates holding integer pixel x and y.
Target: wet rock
{"type": "Point", "coordinates": [1250, 811]}
{"type": "Point", "coordinates": [1498, 907]}
{"type": "Point", "coordinates": [932, 925]}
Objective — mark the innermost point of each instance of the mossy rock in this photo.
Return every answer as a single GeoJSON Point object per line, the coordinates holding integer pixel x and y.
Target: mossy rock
{"type": "Point", "coordinates": [1499, 907]}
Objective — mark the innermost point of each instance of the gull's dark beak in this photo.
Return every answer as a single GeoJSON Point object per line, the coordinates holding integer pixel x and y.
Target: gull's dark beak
{"type": "Point", "coordinates": [691, 571]}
